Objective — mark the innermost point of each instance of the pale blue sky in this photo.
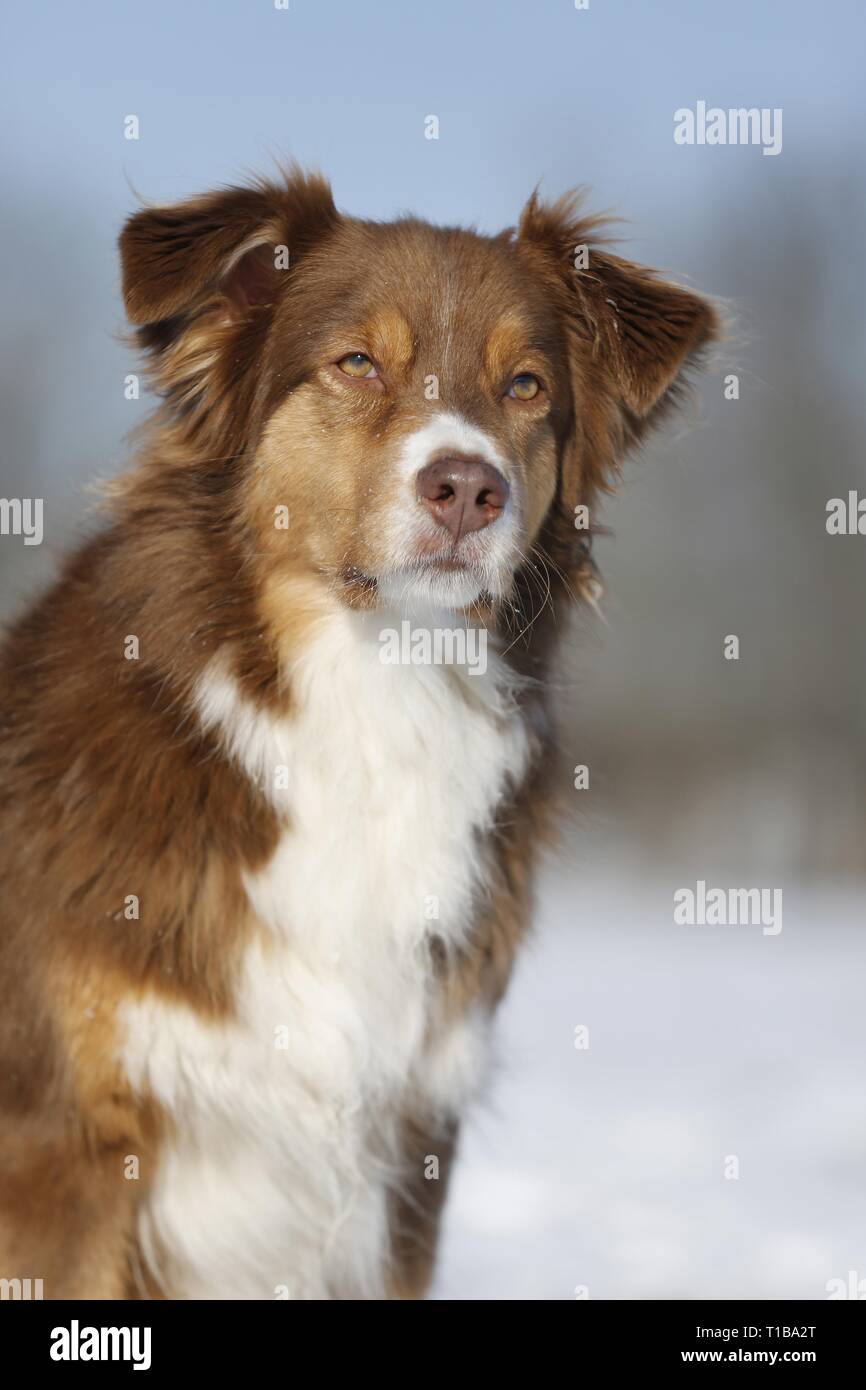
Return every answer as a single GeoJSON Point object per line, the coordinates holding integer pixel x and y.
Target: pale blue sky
{"type": "Point", "coordinates": [522, 90]}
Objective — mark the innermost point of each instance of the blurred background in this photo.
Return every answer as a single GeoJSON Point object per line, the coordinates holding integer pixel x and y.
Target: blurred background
{"type": "Point", "coordinates": [599, 1169]}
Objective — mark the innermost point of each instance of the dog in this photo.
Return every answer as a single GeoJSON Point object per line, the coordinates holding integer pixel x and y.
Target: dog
{"type": "Point", "coordinates": [265, 872]}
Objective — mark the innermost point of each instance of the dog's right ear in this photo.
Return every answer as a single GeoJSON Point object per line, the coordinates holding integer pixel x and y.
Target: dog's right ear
{"type": "Point", "coordinates": [199, 282]}
{"type": "Point", "coordinates": [234, 244]}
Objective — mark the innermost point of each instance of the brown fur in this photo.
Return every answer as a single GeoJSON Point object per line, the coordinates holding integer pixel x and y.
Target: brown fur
{"type": "Point", "coordinates": [108, 785]}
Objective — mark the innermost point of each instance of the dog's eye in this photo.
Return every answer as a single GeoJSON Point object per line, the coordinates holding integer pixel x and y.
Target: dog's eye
{"type": "Point", "coordinates": [524, 387]}
{"type": "Point", "coordinates": [358, 365]}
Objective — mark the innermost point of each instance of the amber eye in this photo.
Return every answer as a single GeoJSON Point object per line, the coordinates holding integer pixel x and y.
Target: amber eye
{"type": "Point", "coordinates": [524, 387]}
{"type": "Point", "coordinates": [357, 365]}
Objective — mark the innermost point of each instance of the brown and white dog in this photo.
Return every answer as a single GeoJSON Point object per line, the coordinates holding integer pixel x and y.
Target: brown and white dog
{"type": "Point", "coordinates": [262, 887]}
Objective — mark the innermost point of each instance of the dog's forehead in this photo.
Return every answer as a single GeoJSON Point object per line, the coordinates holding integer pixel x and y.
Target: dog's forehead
{"type": "Point", "coordinates": [441, 287]}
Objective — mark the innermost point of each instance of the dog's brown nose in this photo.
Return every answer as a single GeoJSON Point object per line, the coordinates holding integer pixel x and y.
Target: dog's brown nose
{"type": "Point", "coordinates": [462, 494]}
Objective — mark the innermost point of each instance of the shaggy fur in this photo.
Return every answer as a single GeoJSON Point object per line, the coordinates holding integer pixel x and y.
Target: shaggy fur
{"type": "Point", "coordinates": [261, 891]}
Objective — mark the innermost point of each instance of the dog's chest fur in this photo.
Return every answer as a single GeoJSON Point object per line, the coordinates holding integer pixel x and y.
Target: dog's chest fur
{"type": "Point", "coordinates": [288, 1119]}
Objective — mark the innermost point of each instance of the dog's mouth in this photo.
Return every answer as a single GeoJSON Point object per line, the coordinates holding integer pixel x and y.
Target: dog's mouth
{"type": "Point", "coordinates": [444, 581]}
{"type": "Point", "coordinates": [442, 564]}
{"type": "Point", "coordinates": [354, 577]}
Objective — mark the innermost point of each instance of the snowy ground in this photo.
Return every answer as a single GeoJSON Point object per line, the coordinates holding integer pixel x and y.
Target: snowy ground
{"type": "Point", "coordinates": [606, 1167]}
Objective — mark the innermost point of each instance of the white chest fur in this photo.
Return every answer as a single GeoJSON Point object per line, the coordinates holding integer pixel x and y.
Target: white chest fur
{"type": "Point", "coordinates": [288, 1119]}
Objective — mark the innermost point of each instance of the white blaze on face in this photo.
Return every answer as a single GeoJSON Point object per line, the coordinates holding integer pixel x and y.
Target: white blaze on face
{"type": "Point", "coordinates": [490, 554]}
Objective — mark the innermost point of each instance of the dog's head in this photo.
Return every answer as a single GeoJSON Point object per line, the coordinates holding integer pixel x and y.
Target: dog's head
{"type": "Point", "coordinates": [406, 410]}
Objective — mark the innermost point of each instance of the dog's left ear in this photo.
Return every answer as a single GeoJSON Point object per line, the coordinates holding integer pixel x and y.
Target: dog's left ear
{"type": "Point", "coordinates": [632, 335]}
{"type": "Point", "coordinates": [649, 330]}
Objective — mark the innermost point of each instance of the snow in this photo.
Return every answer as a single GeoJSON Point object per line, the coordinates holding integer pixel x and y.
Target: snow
{"type": "Point", "coordinates": [603, 1169]}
